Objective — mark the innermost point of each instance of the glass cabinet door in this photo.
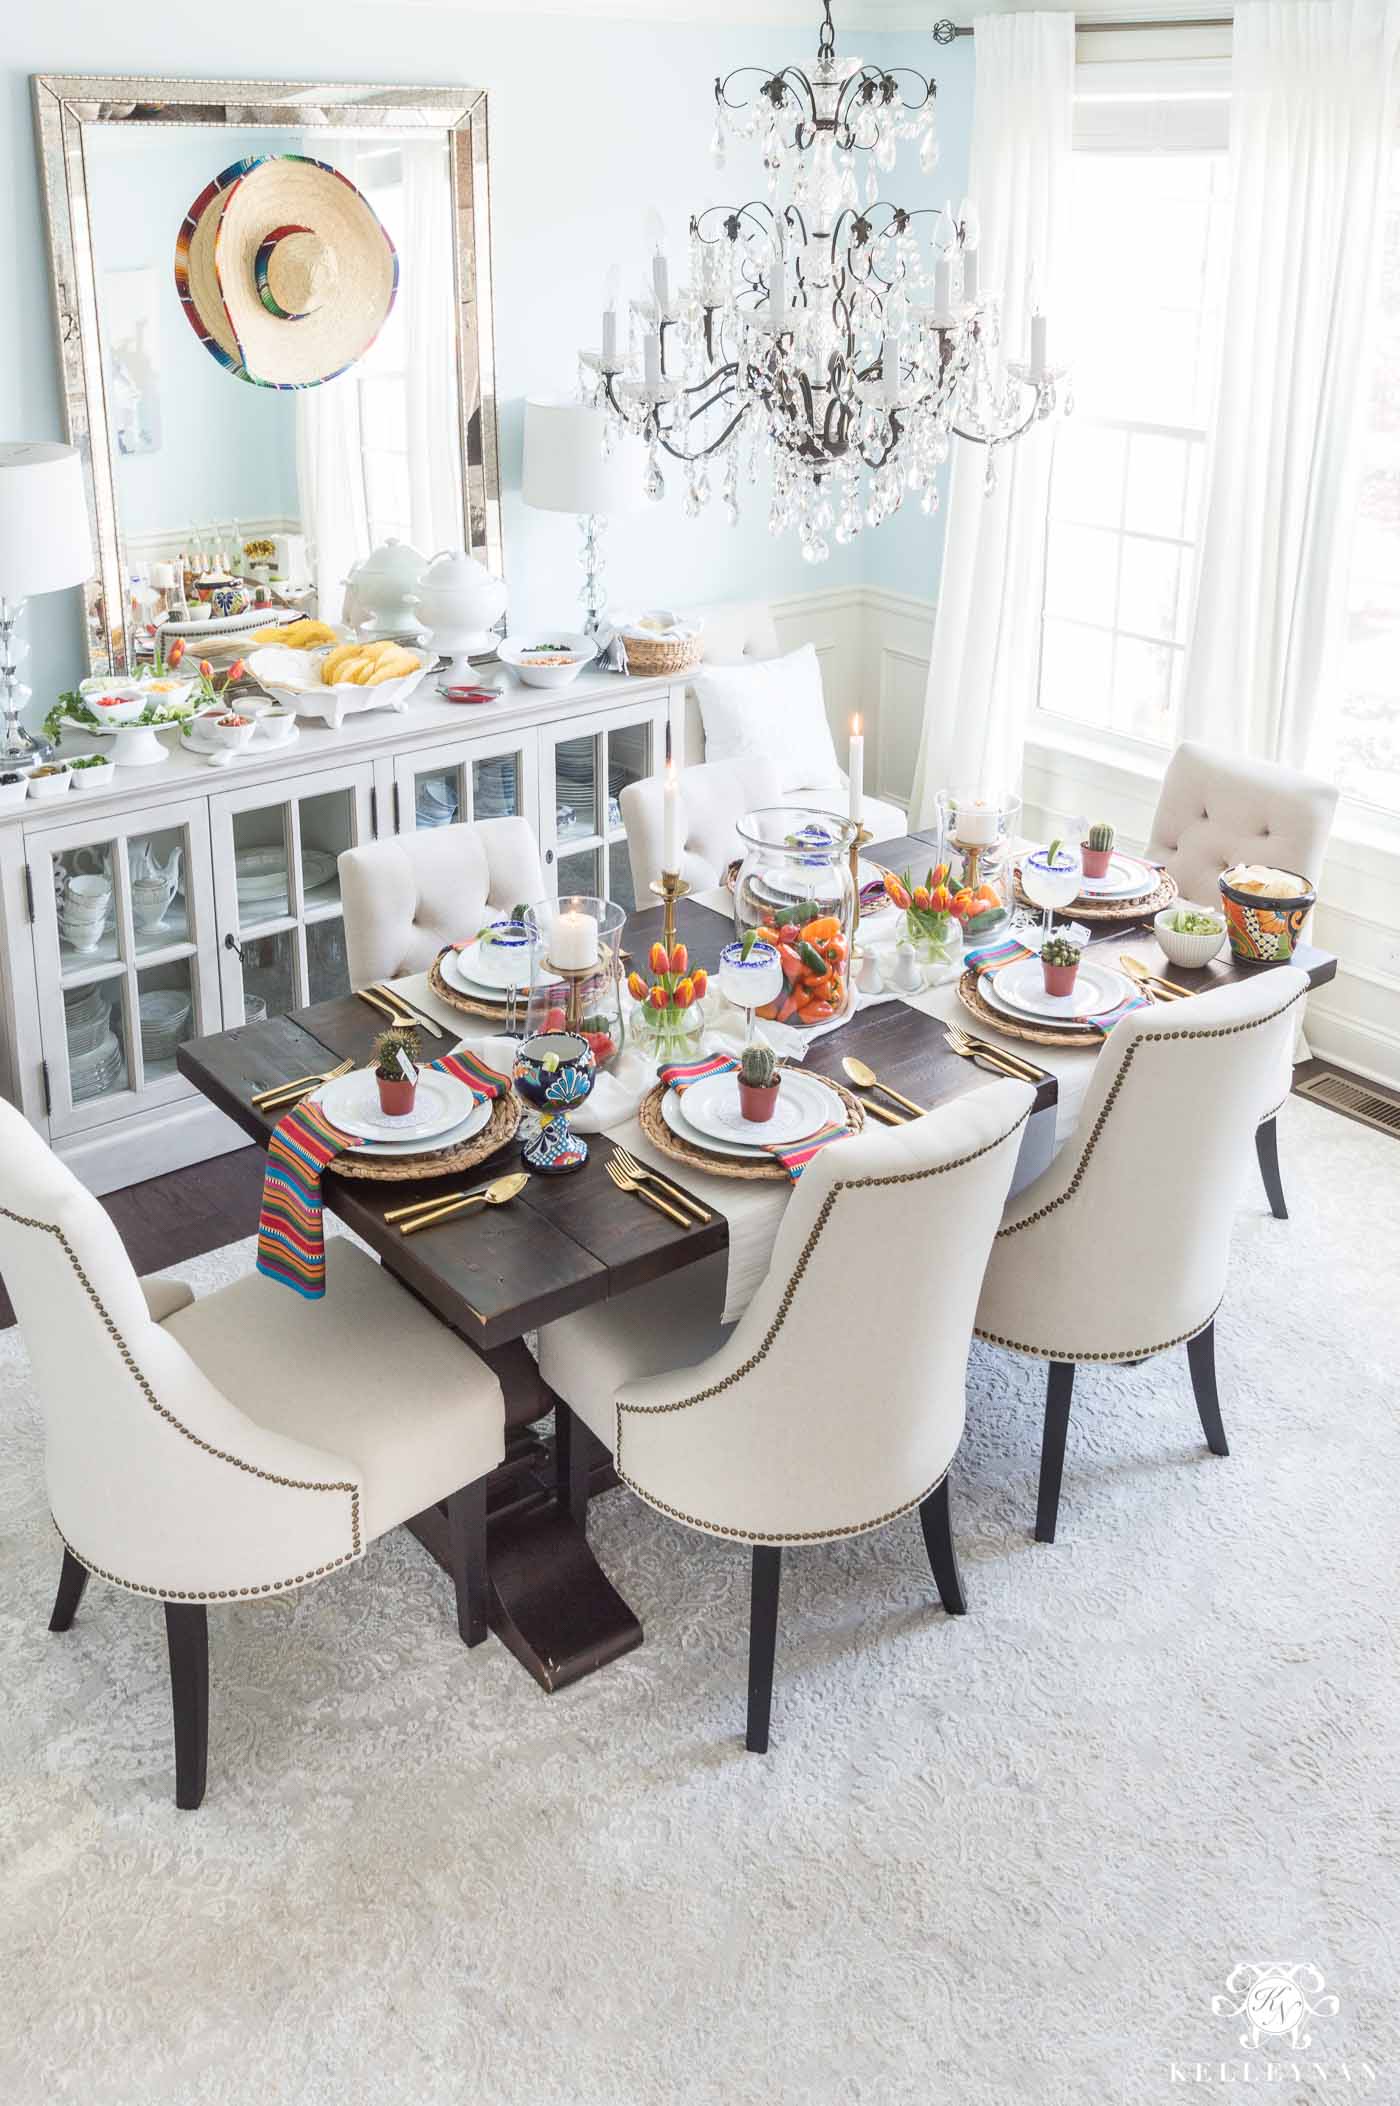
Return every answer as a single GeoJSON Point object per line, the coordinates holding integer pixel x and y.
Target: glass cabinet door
{"type": "Point", "coordinates": [278, 890]}
{"type": "Point", "coordinates": [126, 959]}
{"type": "Point", "coordinates": [586, 764]}
{"type": "Point", "coordinates": [489, 778]}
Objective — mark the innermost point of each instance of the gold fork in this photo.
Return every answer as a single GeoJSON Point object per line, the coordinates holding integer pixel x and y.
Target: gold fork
{"type": "Point", "coordinates": [665, 1185]}
{"type": "Point", "coordinates": [976, 1049]}
{"type": "Point", "coordinates": [272, 1100]}
{"type": "Point", "coordinates": [1152, 983]}
{"type": "Point", "coordinates": [625, 1183]}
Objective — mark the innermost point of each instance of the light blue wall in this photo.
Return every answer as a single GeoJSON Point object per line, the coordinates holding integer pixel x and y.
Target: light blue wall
{"type": "Point", "coordinates": [591, 123]}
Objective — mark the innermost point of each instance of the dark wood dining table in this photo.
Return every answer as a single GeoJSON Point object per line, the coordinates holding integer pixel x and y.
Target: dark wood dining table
{"type": "Point", "coordinates": [501, 1272]}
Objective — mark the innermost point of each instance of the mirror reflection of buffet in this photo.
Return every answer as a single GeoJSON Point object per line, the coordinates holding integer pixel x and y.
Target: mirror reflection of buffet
{"type": "Point", "coordinates": [274, 306]}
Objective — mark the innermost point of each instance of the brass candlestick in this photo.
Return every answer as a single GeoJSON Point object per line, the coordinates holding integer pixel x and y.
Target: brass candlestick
{"type": "Point", "coordinates": [574, 975]}
{"type": "Point", "coordinates": [862, 840]}
{"type": "Point", "coordinates": [669, 887]}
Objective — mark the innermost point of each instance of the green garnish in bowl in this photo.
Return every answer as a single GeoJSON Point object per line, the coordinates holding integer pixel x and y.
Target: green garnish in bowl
{"type": "Point", "coordinates": [1189, 921]}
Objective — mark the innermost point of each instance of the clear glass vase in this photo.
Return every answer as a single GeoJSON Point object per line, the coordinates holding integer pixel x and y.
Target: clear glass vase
{"type": "Point", "coordinates": [937, 943]}
{"type": "Point", "coordinates": [796, 885]}
{"type": "Point", "coordinates": [977, 838]}
{"type": "Point", "coordinates": [666, 1035]}
{"type": "Point", "coordinates": [587, 997]}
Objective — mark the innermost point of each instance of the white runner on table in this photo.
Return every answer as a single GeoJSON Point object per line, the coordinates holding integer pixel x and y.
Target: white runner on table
{"type": "Point", "coordinates": [754, 1208]}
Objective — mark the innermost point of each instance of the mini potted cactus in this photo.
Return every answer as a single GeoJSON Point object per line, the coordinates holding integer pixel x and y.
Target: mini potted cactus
{"type": "Point", "coordinates": [759, 1078]}
{"type": "Point", "coordinates": [397, 1091]}
{"type": "Point", "coordinates": [1059, 963]}
{"type": "Point", "coordinates": [1096, 850]}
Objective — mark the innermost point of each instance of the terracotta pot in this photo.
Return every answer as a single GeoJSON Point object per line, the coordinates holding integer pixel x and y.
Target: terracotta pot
{"type": "Point", "coordinates": [396, 1095]}
{"type": "Point", "coordinates": [756, 1100]}
{"type": "Point", "coordinates": [1095, 860]}
{"type": "Point", "coordinates": [1059, 979]}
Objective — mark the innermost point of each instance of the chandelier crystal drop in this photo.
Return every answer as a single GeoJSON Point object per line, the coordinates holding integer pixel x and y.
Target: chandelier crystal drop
{"type": "Point", "coordinates": [838, 337]}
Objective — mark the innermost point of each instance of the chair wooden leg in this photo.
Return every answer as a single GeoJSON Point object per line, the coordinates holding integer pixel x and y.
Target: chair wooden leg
{"type": "Point", "coordinates": [1200, 1351]}
{"type": "Point", "coordinates": [71, 1582]}
{"type": "Point", "coordinates": [1266, 1148]}
{"type": "Point", "coordinates": [571, 1464]}
{"type": "Point", "coordinates": [942, 1553]}
{"type": "Point", "coordinates": [187, 1633]}
{"type": "Point", "coordinates": [763, 1640]}
{"type": "Point", "coordinates": [1058, 1391]}
{"type": "Point", "coordinates": [466, 1530]}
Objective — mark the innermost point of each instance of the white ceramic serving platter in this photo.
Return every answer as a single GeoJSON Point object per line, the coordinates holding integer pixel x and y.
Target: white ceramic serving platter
{"type": "Point", "coordinates": [1127, 877]}
{"type": "Point", "coordinates": [429, 1144]}
{"type": "Point", "coordinates": [1019, 990]}
{"type": "Point", "coordinates": [251, 618]}
{"type": "Point", "coordinates": [352, 1103]}
{"type": "Point", "coordinates": [675, 1106]}
{"type": "Point", "coordinates": [294, 677]}
{"type": "Point", "coordinates": [495, 967]}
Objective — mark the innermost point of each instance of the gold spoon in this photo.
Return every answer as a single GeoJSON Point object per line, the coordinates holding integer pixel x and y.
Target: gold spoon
{"type": "Point", "coordinates": [865, 1078]}
{"type": "Point", "coordinates": [494, 1195]}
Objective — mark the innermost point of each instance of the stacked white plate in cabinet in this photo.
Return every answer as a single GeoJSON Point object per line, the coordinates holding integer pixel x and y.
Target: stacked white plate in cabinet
{"type": "Point", "coordinates": [708, 1115]}
{"type": "Point", "coordinates": [164, 1013]}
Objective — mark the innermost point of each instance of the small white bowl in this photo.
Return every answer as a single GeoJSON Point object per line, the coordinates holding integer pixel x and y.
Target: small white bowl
{"type": "Point", "coordinates": [275, 726]}
{"type": "Point", "coordinates": [1189, 952]}
{"type": "Point", "coordinates": [13, 794]}
{"type": "Point", "coordinates": [219, 728]}
{"type": "Point", "coordinates": [90, 780]}
{"type": "Point", "coordinates": [44, 787]}
{"type": "Point", "coordinates": [117, 703]}
{"type": "Point", "coordinates": [517, 648]}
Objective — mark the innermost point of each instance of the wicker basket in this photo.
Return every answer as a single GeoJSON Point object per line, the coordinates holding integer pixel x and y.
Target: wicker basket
{"type": "Point", "coordinates": [650, 656]}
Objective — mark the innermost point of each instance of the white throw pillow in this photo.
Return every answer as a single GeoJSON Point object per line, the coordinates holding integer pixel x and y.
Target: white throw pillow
{"type": "Point", "coordinates": [773, 707]}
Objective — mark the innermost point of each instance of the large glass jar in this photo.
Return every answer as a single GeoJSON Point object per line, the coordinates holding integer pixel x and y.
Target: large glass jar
{"type": "Point", "coordinates": [576, 971]}
{"type": "Point", "coordinates": [795, 884]}
{"type": "Point", "coordinates": [977, 836]}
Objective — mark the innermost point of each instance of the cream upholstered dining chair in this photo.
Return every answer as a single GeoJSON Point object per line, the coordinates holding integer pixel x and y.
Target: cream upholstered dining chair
{"type": "Point", "coordinates": [713, 799]}
{"type": "Point", "coordinates": [835, 1403]}
{"type": "Point", "coordinates": [1120, 1249]}
{"type": "Point", "coordinates": [239, 1445]}
{"type": "Point", "coordinates": [1216, 809]}
{"type": "Point", "coordinates": [405, 897]}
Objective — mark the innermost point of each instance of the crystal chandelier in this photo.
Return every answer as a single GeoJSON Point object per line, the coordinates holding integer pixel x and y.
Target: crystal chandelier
{"type": "Point", "coordinates": [843, 337]}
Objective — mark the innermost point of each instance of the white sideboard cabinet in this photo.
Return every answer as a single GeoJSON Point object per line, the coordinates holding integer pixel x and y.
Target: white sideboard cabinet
{"type": "Point", "coordinates": [92, 1016]}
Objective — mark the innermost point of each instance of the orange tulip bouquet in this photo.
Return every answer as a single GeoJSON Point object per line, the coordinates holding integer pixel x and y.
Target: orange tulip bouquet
{"type": "Point", "coordinates": [668, 1020]}
{"type": "Point", "coordinates": [935, 917]}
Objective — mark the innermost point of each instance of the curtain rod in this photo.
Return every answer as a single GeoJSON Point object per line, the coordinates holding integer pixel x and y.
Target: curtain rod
{"type": "Point", "coordinates": [944, 32]}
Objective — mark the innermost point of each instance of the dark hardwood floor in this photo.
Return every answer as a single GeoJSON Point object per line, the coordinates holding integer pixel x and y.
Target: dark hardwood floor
{"type": "Point", "coordinates": [183, 1215]}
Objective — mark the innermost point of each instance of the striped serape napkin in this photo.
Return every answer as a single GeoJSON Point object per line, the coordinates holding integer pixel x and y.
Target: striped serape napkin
{"type": "Point", "coordinates": [985, 958]}
{"type": "Point", "coordinates": [291, 1227]}
{"type": "Point", "coordinates": [1105, 1023]}
{"type": "Point", "coordinates": [793, 1155]}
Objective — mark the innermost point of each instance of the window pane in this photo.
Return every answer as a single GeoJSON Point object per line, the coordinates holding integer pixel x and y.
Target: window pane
{"type": "Point", "coordinates": [1082, 574]}
{"type": "Point", "coordinates": [1076, 673]}
{"type": "Point", "coordinates": [496, 787]}
{"type": "Point", "coordinates": [1142, 689]}
{"type": "Point", "coordinates": [1089, 472]}
{"type": "Point", "coordinates": [1157, 476]}
{"type": "Point", "coordinates": [1147, 587]}
{"type": "Point", "coordinates": [576, 787]}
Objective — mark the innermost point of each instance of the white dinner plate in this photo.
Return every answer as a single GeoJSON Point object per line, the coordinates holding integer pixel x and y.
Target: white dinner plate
{"type": "Point", "coordinates": [471, 1125]}
{"type": "Point", "coordinates": [352, 1103]}
{"type": "Point", "coordinates": [673, 1112]}
{"type": "Point", "coordinates": [496, 967]}
{"type": "Point", "coordinates": [464, 983]}
{"type": "Point", "coordinates": [1019, 990]}
{"type": "Point", "coordinates": [1127, 877]}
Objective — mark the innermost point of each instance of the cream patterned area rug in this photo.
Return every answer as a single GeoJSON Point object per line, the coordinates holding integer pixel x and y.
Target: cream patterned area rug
{"type": "Point", "coordinates": [1006, 1861]}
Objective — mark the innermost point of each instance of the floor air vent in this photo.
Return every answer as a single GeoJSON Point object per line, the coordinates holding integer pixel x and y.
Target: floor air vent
{"type": "Point", "coordinates": [1356, 1100]}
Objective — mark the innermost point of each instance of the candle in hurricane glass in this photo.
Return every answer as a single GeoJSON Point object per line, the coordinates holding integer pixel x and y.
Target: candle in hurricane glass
{"type": "Point", "coordinates": [573, 941]}
{"type": "Point", "coordinates": [978, 821]}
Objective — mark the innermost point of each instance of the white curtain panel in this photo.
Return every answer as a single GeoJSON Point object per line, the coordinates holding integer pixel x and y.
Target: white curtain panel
{"type": "Point", "coordinates": [1312, 122]}
{"type": "Point", "coordinates": [430, 371]}
{"type": "Point", "coordinates": [986, 639]}
{"type": "Point", "coordinates": [331, 487]}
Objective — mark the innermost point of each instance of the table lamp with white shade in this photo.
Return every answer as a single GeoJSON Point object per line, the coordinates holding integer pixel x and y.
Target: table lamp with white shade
{"type": "Point", "coordinates": [566, 470]}
{"type": "Point", "coordinates": [45, 546]}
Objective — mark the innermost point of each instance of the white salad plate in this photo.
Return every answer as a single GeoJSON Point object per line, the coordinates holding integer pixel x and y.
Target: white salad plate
{"type": "Point", "coordinates": [352, 1103]}
{"type": "Point", "coordinates": [497, 967]}
{"type": "Point", "coordinates": [1127, 877]}
{"type": "Point", "coordinates": [429, 1144]}
{"type": "Point", "coordinates": [1019, 990]}
{"type": "Point", "coordinates": [466, 984]}
{"type": "Point", "coordinates": [716, 1121]}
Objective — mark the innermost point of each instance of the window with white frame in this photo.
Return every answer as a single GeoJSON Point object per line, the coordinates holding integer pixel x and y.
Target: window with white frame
{"type": "Point", "coordinates": [1365, 735]}
{"type": "Point", "coordinates": [1150, 232]}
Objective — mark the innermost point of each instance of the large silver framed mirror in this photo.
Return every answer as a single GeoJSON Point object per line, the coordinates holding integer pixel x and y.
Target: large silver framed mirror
{"type": "Point", "coordinates": [274, 321]}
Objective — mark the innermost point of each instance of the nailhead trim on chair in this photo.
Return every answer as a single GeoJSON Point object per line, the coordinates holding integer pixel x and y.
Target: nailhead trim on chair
{"type": "Point", "coordinates": [824, 1213]}
{"type": "Point", "coordinates": [1155, 1038]}
{"type": "Point", "coordinates": [281, 1586]}
{"type": "Point", "coordinates": [294, 1484]}
{"type": "Point", "coordinates": [1145, 1352]}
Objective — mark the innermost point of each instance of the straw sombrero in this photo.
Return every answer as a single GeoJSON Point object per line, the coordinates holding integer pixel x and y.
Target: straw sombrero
{"type": "Point", "coordinates": [284, 271]}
